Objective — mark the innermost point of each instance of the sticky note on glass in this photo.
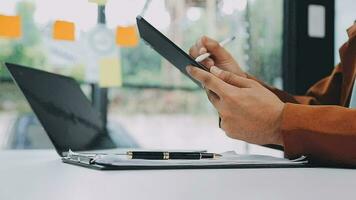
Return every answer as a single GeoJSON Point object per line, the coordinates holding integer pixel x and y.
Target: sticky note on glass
{"type": "Point", "coordinates": [99, 2]}
{"type": "Point", "coordinates": [110, 72]}
{"type": "Point", "coordinates": [63, 30]}
{"type": "Point", "coordinates": [10, 26]}
{"type": "Point", "coordinates": [126, 36]}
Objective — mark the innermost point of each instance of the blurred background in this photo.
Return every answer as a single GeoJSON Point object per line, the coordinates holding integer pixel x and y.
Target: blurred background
{"type": "Point", "coordinates": [155, 106]}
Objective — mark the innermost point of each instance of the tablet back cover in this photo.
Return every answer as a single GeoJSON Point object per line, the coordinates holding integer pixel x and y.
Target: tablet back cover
{"type": "Point", "coordinates": [165, 47]}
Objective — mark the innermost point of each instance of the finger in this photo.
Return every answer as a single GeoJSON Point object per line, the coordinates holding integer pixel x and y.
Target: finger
{"type": "Point", "coordinates": [208, 80]}
{"type": "Point", "coordinates": [208, 63]}
{"type": "Point", "coordinates": [198, 49]}
{"type": "Point", "coordinates": [213, 98]}
{"type": "Point", "coordinates": [231, 78]}
{"type": "Point", "coordinates": [202, 50]}
{"type": "Point", "coordinates": [194, 51]}
{"type": "Point", "coordinates": [213, 47]}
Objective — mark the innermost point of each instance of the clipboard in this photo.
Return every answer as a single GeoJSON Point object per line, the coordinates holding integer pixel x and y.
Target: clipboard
{"type": "Point", "coordinates": [230, 160]}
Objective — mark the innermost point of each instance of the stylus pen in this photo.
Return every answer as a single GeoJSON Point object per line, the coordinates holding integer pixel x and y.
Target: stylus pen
{"type": "Point", "coordinates": [222, 43]}
{"type": "Point", "coordinates": [158, 155]}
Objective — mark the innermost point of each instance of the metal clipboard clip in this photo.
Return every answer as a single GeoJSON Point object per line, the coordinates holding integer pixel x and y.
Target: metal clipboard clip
{"type": "Point", "coordinates": [81, 158]}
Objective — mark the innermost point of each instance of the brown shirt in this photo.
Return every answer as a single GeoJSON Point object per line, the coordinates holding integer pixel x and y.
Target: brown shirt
{"type": "Point", "coordinates": [326, 131]}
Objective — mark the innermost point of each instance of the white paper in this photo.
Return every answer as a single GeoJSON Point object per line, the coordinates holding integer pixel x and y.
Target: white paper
{"type": "Point", "coordinates": [228, 158]}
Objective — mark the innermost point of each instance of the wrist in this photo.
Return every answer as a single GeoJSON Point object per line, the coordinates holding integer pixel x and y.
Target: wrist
{"type": "Point", "coordinates": [278, 138]}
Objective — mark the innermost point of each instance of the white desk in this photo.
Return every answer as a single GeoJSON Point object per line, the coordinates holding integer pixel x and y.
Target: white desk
{"type": "Point", "coordinates": [40, 175]}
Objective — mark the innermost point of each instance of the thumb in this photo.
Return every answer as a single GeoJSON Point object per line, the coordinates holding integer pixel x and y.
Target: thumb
{"type": "Point", "coordinates": [212, 46]}
{"type": "Point", "coordinates": [231, 78]}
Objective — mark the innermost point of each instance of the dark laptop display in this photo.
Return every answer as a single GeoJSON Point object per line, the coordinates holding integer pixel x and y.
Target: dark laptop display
{"type": "Point", "coordinates": [63, 110]}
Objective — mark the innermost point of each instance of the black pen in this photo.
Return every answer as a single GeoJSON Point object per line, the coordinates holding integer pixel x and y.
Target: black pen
{"type": "Point", "coordinates": [159, 155]}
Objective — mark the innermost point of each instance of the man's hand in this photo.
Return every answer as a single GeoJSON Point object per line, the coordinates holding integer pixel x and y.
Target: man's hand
{"type": "Point", "coordinates": [219, 56]}
{"type": "Point", "coordinates": [248, 111]}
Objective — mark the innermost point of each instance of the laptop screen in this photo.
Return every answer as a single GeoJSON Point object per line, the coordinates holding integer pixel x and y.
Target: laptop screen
{"type": "Point", "coordinates": [62, 108]}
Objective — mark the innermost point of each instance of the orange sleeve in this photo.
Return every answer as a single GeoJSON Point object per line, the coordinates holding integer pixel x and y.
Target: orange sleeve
{"type": "Point", "coordinates": [325, 134]}
{"type": "Point", "coordinates": [325, 92]}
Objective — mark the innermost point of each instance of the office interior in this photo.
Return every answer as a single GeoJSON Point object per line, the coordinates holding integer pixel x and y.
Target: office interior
{"type": "Point", "coordinates": [148, 103]}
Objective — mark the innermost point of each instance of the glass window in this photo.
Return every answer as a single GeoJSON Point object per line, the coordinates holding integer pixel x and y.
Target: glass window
{"type": "Point", "coordinates": [19, 128]}
{"type": "Point", "coordinates": [157, 105]}
{"type": "Point", "coordinates": [174, 113]}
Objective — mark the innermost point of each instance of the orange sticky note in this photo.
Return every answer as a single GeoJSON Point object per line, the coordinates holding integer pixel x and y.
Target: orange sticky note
{"type": "Point", "coordinates": [63, 30]}
{"type": "Point", "coordinates": [126, 36]}
{"type": "Point", "coordinates": [10, 26]}
{"type": "Point", "coordinates": [110, 72]}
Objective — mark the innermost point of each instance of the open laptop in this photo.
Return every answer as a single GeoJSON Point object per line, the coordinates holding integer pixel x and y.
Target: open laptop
{"type": "Point", "coordinates": [63, 110]}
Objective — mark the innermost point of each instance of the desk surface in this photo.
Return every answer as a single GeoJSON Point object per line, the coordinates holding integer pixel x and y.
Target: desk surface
{"type": "Point", "coordinates": [41, 175]}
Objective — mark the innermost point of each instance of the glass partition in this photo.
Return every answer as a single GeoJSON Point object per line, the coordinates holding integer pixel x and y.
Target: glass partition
{"type": "Point", "coordinates": [157, 106]}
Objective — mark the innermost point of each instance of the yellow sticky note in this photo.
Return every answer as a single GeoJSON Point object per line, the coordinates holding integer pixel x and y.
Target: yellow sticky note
{"type": "Point", "coordinates": [126, 36]}
{"type": "Point", "coordinates": [10, 26]}
{"type": "Point", "coordinates": [63, 30]}
{"type": "Point", "coordinates": [110, 72]}
{"type": "Point", "coordinates": [99, 2]}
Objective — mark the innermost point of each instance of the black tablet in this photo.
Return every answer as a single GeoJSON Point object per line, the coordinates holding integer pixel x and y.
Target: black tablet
{"type": "Point", "coordinates": [165, 47]}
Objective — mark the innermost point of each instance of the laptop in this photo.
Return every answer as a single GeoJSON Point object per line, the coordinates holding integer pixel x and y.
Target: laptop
{"type": "Point", "coordinates": [62, 109]}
